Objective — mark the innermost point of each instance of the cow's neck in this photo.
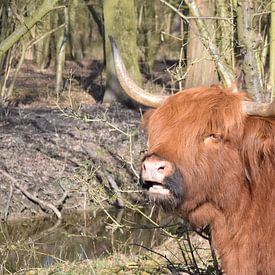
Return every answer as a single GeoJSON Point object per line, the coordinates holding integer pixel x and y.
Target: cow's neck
{"type": "Point", "coordinates": [242, 220]}
{"type": "Point", "coordinates": [245, 237]}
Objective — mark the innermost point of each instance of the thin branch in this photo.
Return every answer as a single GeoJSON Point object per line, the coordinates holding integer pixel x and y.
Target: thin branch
{"type": "Point", "coordinates": [155, 252]}
{"type": "Point", "coordinates": [265, 12]}
{"type": "Point", "coordinates": [114, 186]}
{"type": "Point", "coordinates": [215, 260]}
{"type": "Point", "coordinates": [175, 10]}
{"type": "Point", "coordinates": [6, 210]}
{"type": "Point", "coordinates": [229, 19]}
{"type": "Point", "coordinates": [192, 253]}
{"type": "Point", "coordinates": [61, 201]}
{"type": "Point", "coordinates": [31, 197]}
{"type": "Point", "coordinates": [36, 40]}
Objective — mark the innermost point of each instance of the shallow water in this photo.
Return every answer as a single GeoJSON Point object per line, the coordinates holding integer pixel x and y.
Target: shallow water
{"type": "Point", "coordinates": [43, 242]}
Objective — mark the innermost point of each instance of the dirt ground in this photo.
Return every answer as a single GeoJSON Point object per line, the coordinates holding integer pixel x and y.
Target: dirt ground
{"type": "Point", "coordinates": [55, 148]}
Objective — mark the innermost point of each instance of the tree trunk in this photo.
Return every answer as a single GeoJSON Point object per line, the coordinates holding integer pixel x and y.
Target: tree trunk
{"type": "Point", "coordinates": [42, 48]}
{"type": "Point", "coordinates": [79, 28]}
{"type": "Point", "coordinates": [61, 41]}
{"type": "Point", "coordinates": [148, 28]}
{"type": "Point", "coordinates": [201, 68]}
{"type": "Point", "coordinates": [74, 35]}
{"type": "Point", "coordinates": [120, 22]}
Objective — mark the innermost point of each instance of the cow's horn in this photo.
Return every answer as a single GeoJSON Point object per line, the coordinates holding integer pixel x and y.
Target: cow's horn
{"type": "Point", "coordinates": [259, 109]}
{"type": "Point", "coordinates": [129, 86]}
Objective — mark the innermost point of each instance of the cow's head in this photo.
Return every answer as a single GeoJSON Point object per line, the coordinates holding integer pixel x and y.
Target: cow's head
{"type": "Point", "coordinates": [194, 139]}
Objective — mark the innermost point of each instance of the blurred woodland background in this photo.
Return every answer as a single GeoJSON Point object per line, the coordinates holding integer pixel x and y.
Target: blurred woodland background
{"type": "Point", "coordinates": [199, 43]}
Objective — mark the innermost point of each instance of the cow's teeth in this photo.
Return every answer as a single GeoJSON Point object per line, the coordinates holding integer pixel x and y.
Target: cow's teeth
{"type": "Point", "coordinates": [158, 189]}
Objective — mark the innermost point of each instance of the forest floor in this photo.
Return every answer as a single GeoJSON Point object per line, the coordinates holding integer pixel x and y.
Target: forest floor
{"type": "Point", "coordinates": [53, 146]}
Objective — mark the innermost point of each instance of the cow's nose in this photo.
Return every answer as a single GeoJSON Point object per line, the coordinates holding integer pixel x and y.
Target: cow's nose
{"type": "Point", "coordinates": [155, 170]}
{"type": "Point", "coordinates": [154, 165]}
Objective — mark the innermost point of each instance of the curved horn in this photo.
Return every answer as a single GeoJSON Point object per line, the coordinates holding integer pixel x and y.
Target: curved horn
{"type": "Point", "coordinates": [259, 109]}
{"type": "Point", "coordinates": [129, 86]}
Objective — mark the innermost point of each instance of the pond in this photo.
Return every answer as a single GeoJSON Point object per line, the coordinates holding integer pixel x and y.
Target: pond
{"type": "Point", "coordinates": [79, 236]}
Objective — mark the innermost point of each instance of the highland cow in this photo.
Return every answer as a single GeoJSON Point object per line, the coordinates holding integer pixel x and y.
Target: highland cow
{"type": "Point", "coordinates": [211, 159]}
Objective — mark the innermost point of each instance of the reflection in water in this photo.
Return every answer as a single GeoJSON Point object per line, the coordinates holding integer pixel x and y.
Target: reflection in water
{"type": "Point", "coordinates": [41, 243]}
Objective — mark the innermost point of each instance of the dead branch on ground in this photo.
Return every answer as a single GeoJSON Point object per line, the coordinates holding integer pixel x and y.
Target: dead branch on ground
{"type": "Point", "coordinates": [44, 205]}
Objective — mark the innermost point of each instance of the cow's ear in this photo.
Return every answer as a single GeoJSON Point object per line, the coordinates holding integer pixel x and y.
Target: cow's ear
{"type": "Point", "coordinates": [146, 118]}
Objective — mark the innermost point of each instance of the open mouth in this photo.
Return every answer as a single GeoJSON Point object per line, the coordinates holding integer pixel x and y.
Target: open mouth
{"type": "Point", "coordinates": [155, 188]}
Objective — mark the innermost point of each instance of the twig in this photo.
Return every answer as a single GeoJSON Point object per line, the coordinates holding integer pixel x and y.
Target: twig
{"type": "Point", "coordinates": [211, 18]}
{"type": "Point", "coordinates": [62, 200]}
{"type": "Point", "coordinates": [6, 210]}
{"type": "Point", "coordinates": [200, 233]}
{"type": "Point", "coordinates": [192, 253]}
{"type": "Point", "coordinates": [214, 257]}
{"type": "Point", "coordinates": [180, 14]}
{"type": "Point", "coordinates": [135, 208]}
{"type": "Point", "coordinates": [110, 179]}
{"type": "Point", "coordinates": [36, 40]}
{"type": "Point", "coordinates": [263, 13]}
{"type": "Point", "coordinates": [114, 186]}
{"type": "Point", "coordinates": [131, 156]}
{"type": "Point", "coordinates": [31, 197]}
{"type": "Point", "coordinates": [159, 254]}
{"type": "Point", "coordinates": [116, 223]}
{"type": "Point", "coordinates": [183, 254]}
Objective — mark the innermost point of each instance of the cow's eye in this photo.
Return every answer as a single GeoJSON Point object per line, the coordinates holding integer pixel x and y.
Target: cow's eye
{"type": "Point", "coordinates": [213, 138]}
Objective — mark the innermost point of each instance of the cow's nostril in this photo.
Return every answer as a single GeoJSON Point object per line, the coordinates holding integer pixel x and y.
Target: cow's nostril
{"type": "Point", "coordinates": [161, 167]}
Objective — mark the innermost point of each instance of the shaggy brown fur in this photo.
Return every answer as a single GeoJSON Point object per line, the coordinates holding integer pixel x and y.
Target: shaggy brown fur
{"type": "Point", "coordinates": [227, 161]}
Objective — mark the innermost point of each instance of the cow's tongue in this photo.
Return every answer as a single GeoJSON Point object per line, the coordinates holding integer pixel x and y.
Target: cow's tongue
{"type": "Point", "coordinates": [158, 189]}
